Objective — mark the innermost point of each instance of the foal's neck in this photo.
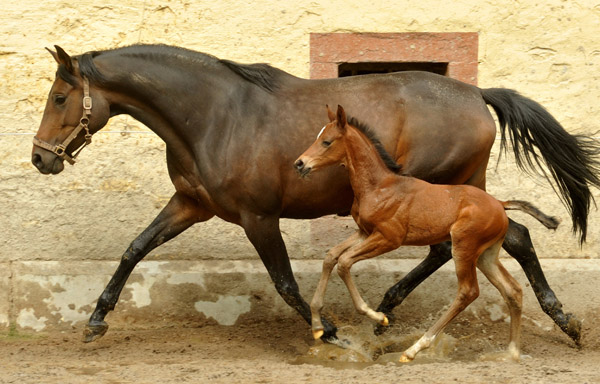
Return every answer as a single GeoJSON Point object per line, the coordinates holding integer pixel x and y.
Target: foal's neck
{"type": "Point", "coordinates": [366, 168]}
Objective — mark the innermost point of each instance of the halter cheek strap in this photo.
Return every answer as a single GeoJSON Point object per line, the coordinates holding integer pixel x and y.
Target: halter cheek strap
{"type": "Point", "coordinates": [61, 149]}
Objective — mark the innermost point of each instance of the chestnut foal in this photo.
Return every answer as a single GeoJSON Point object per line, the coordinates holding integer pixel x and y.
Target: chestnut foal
{"type": "Point", "coordinates": [393, 210]}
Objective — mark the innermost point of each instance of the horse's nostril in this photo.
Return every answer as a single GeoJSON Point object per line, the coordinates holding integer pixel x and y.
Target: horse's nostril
{"type": "Point", "coordinates": [36, 159]}
{"type": "Point", "coordinates": [299, 164]}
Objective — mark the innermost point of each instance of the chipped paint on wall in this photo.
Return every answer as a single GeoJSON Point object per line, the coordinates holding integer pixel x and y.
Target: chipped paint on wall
{"type": "Point", "coordinates": [187, 278]}
{"type": "Point", "coordinates": [4, 320]}
{"type": "Point", "coordinates": [27, 319]}
{"type": "Point", "coordinates": [68, 295]}
{"type": "Point", "coordinates": [226, 310]}
{"type": "Point", "coordinates": [140, 291]}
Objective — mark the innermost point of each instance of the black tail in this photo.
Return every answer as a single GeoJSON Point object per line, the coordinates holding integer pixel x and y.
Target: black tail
{"type": "Point", "coordinates": [570, 159]}
{"type": "Point", "coordinates": [549, 222]}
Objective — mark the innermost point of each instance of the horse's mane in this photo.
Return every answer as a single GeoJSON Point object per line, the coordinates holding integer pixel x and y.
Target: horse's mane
{"type": "Point", "coordinates": [389, 162]}
{"type": "Point", "coordinates": [262, 75]}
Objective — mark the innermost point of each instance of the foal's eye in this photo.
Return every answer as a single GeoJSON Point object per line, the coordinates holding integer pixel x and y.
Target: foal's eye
{"type": "Point", "coordinates": [60, 99]}
{"type": "Point", "coordinates": [326, 143]}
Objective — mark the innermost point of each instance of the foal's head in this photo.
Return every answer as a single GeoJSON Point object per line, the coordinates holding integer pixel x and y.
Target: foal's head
{"type": "Point", "coordinates": [328, 148]}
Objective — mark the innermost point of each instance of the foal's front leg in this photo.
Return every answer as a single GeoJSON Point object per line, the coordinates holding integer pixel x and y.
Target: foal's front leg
{"type": "Point", "coordinates": [330, 261]}
{"type": "Point", "coordinates": [374, 245]}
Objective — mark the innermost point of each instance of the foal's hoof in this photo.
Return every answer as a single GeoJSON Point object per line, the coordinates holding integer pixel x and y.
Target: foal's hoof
{"type": "Point", "coordinates": [385, 322]}
{"type": "Point", "coordinates": [405, 359]}
{"type": "Point", "coordinates": [317, 333]}
{"type": "Point", "coordinates": [383, 326]}
{"type": "Point", "coordinates": [94, 331]}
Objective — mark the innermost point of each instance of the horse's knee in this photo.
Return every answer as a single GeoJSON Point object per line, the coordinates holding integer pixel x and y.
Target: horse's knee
{"type": "Point", "coordinates": [288, 290]}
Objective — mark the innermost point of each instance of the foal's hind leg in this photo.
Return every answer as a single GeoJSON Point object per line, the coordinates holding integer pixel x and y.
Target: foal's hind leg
{"type": "Point", "coordinates": [518, 245]}
{"type": "Point", "coordinates": [510, 290]}
{"type": "Point", "coordinates": [330, 261]}
{"type": "Point", "coordinates": [468, 290]}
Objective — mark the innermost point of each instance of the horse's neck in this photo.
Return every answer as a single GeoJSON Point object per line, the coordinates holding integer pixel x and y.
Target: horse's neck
{"type": "Point", "coordinates": [169, 105]}
{"type": "Point", "coordinates": [366, 168]}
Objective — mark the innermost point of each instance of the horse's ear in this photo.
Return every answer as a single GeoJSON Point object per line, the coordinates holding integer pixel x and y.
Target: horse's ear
{"type": "Point", "coordinates": [330, 113]}
{"type": "Point", "coordinates": [54, 54]}
{"type": "Point", "coordinates": [341, 117]}
{"type": "Point", "coordinates": [62, 57]}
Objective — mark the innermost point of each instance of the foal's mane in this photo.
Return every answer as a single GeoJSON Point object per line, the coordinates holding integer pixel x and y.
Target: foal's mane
{"type": "Point", "coordinates": [261, 75]}
{"type": "Point", "coordinates": [389, 162]}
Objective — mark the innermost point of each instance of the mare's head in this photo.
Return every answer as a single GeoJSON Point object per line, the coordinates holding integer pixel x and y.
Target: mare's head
{"type": "Point", "coordinates": [72, 114]}
{"type": "Point", "coordinates": [328, 148]}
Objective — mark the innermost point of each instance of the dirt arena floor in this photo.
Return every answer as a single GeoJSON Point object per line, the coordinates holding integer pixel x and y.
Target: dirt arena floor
{"type": "Point", "coordinates": [282, 351]}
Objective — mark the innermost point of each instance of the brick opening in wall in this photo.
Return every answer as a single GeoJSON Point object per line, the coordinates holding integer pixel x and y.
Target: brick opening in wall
{"type": "Point", "coordinates": [341, 54]}
{"type": "Point", "coordinates": [363, 68]}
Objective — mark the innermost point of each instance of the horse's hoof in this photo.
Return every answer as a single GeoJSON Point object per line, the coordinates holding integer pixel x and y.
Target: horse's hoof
{"type": "Point", "coordinates": [573, 328]}
{"type": "Point", "coordinates": [405, 359]}
{"type": "Point", "coordinates": [94, 331]}
{"type": "Point", "coordinates": [318, 333]}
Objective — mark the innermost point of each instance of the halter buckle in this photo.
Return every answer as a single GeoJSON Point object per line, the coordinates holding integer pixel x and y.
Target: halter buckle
{"type": "Point", "coordinates": [87, 102]}
{"type": "Point", "coordinates": [60, 150]}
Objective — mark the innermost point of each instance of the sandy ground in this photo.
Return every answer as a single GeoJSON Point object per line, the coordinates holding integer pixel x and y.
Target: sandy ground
{"type": "Point", "coordinates": [282, 351]}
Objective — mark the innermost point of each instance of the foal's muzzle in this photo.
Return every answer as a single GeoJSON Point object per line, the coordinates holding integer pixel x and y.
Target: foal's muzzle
{"type": "Point", "coordinates": [301, 167]}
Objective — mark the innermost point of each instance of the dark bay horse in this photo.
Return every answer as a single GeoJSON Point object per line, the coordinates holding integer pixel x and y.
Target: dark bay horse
{"type": "Point", "coordinates": [232, 133]}
{"type": "Point", "coordinates": [392, 209]}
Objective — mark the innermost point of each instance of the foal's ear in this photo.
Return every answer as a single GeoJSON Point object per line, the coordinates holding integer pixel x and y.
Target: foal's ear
{"type": "Point", "coordinates": [330, 113]}
{"type": "Point", "coordinates": [62, 57]}
{"type": "Point", "coordinates": [341, 117]}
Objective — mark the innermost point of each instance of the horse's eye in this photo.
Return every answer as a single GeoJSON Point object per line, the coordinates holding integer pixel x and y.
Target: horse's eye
{"type": "Point", "coordinates": [326, 143]}
{"type": "Point", "coordinates": [60, 99]}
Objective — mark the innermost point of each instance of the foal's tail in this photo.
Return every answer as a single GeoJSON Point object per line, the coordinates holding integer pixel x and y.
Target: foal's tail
{"type": "Point", "coordinates": [550, 222]}
{"type": "Point", "coordinates": [570, 159]}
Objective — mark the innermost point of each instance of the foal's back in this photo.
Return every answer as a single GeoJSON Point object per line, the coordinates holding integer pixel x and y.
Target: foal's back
{"type": "Point", "coordinates": [428, 214]}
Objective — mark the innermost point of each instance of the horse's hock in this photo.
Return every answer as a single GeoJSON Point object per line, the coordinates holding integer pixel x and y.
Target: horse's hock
{"type": "Point", "coordinates": [63, 236]}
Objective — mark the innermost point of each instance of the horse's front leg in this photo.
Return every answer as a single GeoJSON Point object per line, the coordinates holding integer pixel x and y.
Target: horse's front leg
{"type": "Point", "coordinates": [518, 245]}
{"type": "Point", "coordinates": [179, 214]}
{"type": "Point", "coordinates": [263, 232]}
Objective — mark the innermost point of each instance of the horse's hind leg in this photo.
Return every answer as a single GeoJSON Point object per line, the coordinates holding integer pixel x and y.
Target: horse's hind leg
{"type": "Point", "coordinates": [468, 290]}
{"type": "Point", "coordinates": [518, 245]}
{"type": "Point", "coordinates": [179, 214]}
{"type": "Point", "coordinates": [510, 290]}
{"type": "Point", "coordinates": [330, 261]}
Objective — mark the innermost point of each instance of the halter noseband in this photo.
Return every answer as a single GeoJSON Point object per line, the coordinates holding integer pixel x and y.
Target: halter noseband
{"type": "Point", "coordinates": [61, 149]}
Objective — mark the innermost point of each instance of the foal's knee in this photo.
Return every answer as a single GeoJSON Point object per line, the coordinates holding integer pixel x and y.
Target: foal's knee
{"type": "Point", "coordinates": [467, 295]}
{"type": "Point", "coordinates": [515, 297]}
{"type": "Point", "coordinates": [343, 267]}
{"type": "Point", "coordinates": [330, 261]}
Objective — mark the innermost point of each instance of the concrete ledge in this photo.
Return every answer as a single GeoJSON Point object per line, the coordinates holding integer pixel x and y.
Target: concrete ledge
{"type": "Point", "coordinates": [47, 295]}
